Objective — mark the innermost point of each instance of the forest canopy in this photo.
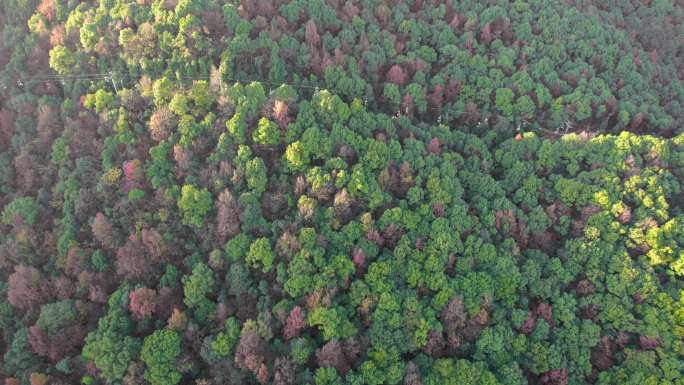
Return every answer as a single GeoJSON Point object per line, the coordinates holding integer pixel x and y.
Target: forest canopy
{"type": "Point", "coordinates": [334, 192]}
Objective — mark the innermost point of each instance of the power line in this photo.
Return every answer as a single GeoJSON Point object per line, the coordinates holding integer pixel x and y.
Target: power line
{"type": "Point", "coordinates": [111, 76]}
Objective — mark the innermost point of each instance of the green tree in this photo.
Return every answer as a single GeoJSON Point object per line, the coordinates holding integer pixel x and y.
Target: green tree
{"type": "Point", "coordinates": [447, 372]}
{"type": "Point", "coordinates": [111, 345]}
{"type": "Point", "coordinates": [159, 352]}
{"type": "Point", "coordinates": [296, 156]}
{"type": "Point", "coordinates": [226, 340]}
{"type": "Point", "coordinates": [332, 322]}
{"type": "Point", "coordinates": [260, 255]}
{"type": "Point", "coordinates": [23, 210]}
{"type": "Point", "coordinates": [201, 96]}
{"type": "Point", "coordinates": [63, 60]}
{"type": "Point", "coordinates": [100, 100]}
{"type": "Point", "coordinates": [300, 350]}
{"type": "Point", "coordinates": [194, 204]}
{"type": "Point", "coordinates": [19, 358]}
{"type": "Point", "coordinates": [504, 101]}
{"type": "Point", "coordinates": [56, 316]}
{"type": "Point", "coordinates": [266, 133]}
{"type": "Point", "coordinates": [162, 91]}
{"type": "Point", "coordinates": [255, 173]}
{"type": "Point", "coordinates": [237, 247]}
{"type": "Point", "coordinates": [196, 287]}
{"type": "Point", "coordinates": [159, 169]}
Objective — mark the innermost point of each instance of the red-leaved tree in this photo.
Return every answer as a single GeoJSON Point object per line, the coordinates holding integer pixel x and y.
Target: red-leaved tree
{"type": "Point", "coordinates": [396, 75]}
{"type": "Point", "coordinates": [142, 302]}
{"type": "Point", "coordinates": [103, 230]}
{"type": "Point", "coordinates": [27, 287]}
{"type": "Point", "coordinates": [295, 323]}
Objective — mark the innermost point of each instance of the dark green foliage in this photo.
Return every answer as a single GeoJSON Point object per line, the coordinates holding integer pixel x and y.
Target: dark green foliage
{"type": "Point", "coordinates": [19, 357]}
{"type": "Point", "coordinates": [194, 203]}
{"type": "Point", "coordinates": [159, 353]}
{"type": "Point", "coordinates": [111, 346]}
{"type": "Point", "coordinates": [260, 255]}
{"type": "Point", "coordinates": [20, 211]}
{"type": "Point", "coordinates": [224, 342]}
{"type": "Point", "coordinates": [196, 287]}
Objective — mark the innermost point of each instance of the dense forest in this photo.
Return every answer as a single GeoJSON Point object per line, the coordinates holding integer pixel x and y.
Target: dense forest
{"type": "Point", "coordinates": [328, 192]}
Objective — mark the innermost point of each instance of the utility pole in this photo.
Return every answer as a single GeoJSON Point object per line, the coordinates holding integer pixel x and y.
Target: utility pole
{"type": "Point", "coordinates": [111, 77]}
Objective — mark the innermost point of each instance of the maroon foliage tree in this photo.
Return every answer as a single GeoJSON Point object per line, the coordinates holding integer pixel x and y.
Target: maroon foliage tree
{"type": "Point", "coordinates": [471, 113]}
{"type": "Point", "coordinates": [412, 376]}
{"type": "Point", "coordinates": [183, 158]}
{"type": "Point", "coordinates": [103, 230]}
{"type": "Point", "coordinates": [7, 119]}
{"type": "Point", "coordinates": [349, 11]}
{"type": "Point", "coordinates": [167, 301]}
{"type": "Point", "coordinates": [375, 236]}
{"type": "Point", "coordinates": [133, 172]}
{"type": "Point", "coordinates": [343, 205]}
{"type": "Point", "coordinates": [436, 345]}
{"type": "Point", "coordinates": [452, 89]}
{"type": "Point", "coordinates": [281, 114]}
{"type": "Point", "coordinates": [295, 323]}
{"type": "Point", "coordinates": [262, 374]}
{"type": "Point", "coordinates": [27, 287]}
{"type": "Point", "coordinates": [584, 287]}
{"type": "Point", "coordinates": [359, 259]}
{"type": "Point", "coordinates": [25, 165]}
{"type": "Point", "coordinates": [438, 210]}
{"type": "Point", "coordinates": [407, 105]}
{"type": "Point", "coordinates": [554, 377]}
{"type": "Point", "coordinates": [287, 244]}
{"type": "Point", "coordinates": [486, 34]}
{"type": "Point", "coordinates": [48, 125]}
{"type": "Point", "coordinates": [391, 235]}
{"type": "Point", "coordinates": [396, 75]}
{"type": "Point", "coordinates": [626, 215]}
{"type": "Point", "coordinates": [528, 325]}
{"type": "Point", "coordinates": [331, 355]}
{"type": "Point", "coordinates": [311, 34]}
{"type": "Point", "coordinates": [91, 369]}
{"type": "Point", "coordinates": [544, 310]}
{"type": "Point", "coordinates": [284, 371]}
{"type": "Point", "coordinates": [435, 146]}
{"type": "Point", "coordinates": [134, 374]}
{"type": "Point", "coordinates": [38, 339]}
{"type": "Point", "coordinates": [154, 244]}
{"type": "Point", "coordinates": [475, 325]}
{"type": "Point", "coordinates": [142, 302]}
{"type": "Point", "coordinates": [347, 153]}
{"type": "Point", "coordinates": [227, 216]}
{"type": "Point", "coordinates": [63, 287]}
{"type": "Point", "coordinates": [637, 121]}
{"type": "Point", "coordinates": [214, 22]}
{"type": "Point", "coordinates": [436, 98]}
{"type": "Point", "coordinates": [383, 13]}
{"type": "Point", "coordinates": [162, 122]}
{"type": "Point", "coordinates": [453, 319]}
{"type": "Point", "coordinates": [131, 261]}
{"type": "Point", "coordinates": [602, 354]}
{"type": "Point", "coordinates": [352, 349]}
{"type": "Point", "coordinates": [648, 343]}
{"type": "Point", "coordinates": [250, 352]}
{"type": "Point", "coordinates": [75, 261]}
{"type": "Point", "coordinates": [58, 345]}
